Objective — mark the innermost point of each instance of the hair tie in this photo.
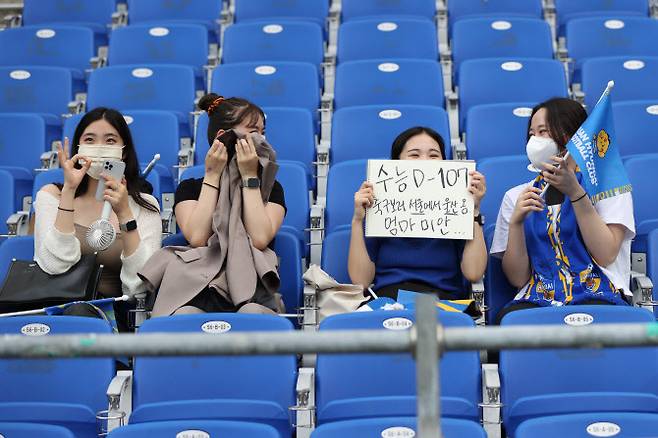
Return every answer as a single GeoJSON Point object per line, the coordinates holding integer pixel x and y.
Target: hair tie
{"type": "Point", "coordinates": [215, 103]}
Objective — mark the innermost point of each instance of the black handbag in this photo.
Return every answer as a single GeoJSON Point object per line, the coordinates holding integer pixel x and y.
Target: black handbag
{"type": "Point", "coordinates": [28, 287]}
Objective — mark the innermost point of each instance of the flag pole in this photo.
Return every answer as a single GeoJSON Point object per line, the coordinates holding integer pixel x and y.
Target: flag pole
{"type": "Point", "coordinates": [43, 310]}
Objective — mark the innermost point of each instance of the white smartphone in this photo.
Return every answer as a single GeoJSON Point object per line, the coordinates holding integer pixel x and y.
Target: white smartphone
{"type": "Point", "coordinates": [115, 169]}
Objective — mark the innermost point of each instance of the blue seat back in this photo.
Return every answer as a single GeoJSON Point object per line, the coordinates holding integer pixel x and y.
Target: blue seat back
{"type": "Point", "coordinates": [224, 429]}
{"type": "Point", "coordinates": [597, 423]}
{"type": "Point", "coordinates": [375, 427]}
{"type": "Point", "coordinates": [530, 386]}
{"type": "Point", "coordinates": [289, 252]}
{"type": "Point", "coordinates": [19, 248]}
{"type": "Point", "coordinates": [52, 176]}
{"type": "Point", "coordinates": [163, 11]}
{"type": "Point", "coordinates": [371, 385]}
{"type": "Point", "coordinates": [29, 430]}
{"type": "Point", "coordinates": [501, 80]}
{"type": "Point", "coordinates": [497, 129]}
{"type": "Point", "coordinates": [498, 292]}
{"type": "Point", "coordinates": [335, 250]}
{"type": "Point", "coordinates": [96, 14]}
{"type": "Point", "coordinates": [635, 123]}
{"type": "Point", "coordinates": [292, 176]}
{"type": "Point", "coordinates": [352, 9]}
{"type": "Point", "coordinates": [458, 10]}
{"type": "Point", "coordinates": [389, 82]}
{"type": "Point", "coordinates": [15, 185]}
{"type": "Point", "coordinates": [343, 181]}
{"type": "Point", "coordinates": [38, 89]}
{"type": "Point", "coordinates": [567, 9]}
{"type": "Point", "coordinates": [22, 139]}
{"type": "Point", "coordinates": [652, 263]}
{"type": "Point", "coordinates": [640, 171]}
{"type": "Point", "coordinates": [380, 125]}
{"type": "Point", "coordinates": [309, 10]}
{"type": "Point", "coordinates": [387, 37]}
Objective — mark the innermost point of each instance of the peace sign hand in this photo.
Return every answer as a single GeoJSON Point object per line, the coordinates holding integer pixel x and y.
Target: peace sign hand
{"type": "Point", "coordinates": [72, 176]}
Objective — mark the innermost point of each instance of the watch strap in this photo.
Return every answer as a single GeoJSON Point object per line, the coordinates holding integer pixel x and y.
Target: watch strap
{"type": "Point", "coordinates": [128, 226]}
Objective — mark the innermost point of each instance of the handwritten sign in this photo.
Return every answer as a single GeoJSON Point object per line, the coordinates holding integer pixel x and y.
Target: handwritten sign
{"type": "Point", "coordinates": [420, 198]}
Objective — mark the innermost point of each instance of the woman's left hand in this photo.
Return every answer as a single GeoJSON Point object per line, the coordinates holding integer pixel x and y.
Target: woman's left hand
{"type": "Point", "coordinates": [116, 193]}
{"type": "Point", "coordinates": [561, 177]}
{"type": "Point", "coordinates": [477, 188]}
{"type": "Point", "coordinates": [247, 157]}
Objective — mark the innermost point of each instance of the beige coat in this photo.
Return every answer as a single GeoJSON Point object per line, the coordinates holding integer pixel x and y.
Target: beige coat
{"type": "Point", "coordinates": [229, 263]}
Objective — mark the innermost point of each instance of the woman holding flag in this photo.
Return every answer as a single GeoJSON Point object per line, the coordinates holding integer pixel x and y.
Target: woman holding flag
{"type": "Point", "coordinates": [557, 246]}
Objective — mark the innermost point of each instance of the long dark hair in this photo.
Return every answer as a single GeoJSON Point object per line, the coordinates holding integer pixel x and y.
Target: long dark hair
{"type": "Point", "coordinates": [228, 113]}
{"type": "Point", "coordinates": [563, 117]}
{"type": "Point", "coordinates": [401, 140]}
{"type": "Point", "coordinates": [135, 183]}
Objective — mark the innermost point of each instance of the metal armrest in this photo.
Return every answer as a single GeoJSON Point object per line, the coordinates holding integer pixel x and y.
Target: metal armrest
{"type": "Point", "coordinates": [316, 232]}
{"type": "Point", "coordinates": [18, 223]}
{"type": "Point", "coordinates": [120, 17]}
{"type": "Point", "coordinates": [48, 161]}
{"type": "Point", "coordinates": [185, 157]}
{"type": "Point", "coordinates": [491, 405]}
{"type": "Point", "coordinates": [213, 55]}
{"type": "Point", "coordinates": [119, 396]}
{"type": "Point", "coordinates": [477, 292]}
{"type": "Point", "coordinates": [99, 60]}
{"type": "Point", "coordinates": [322, 170]}
{"type": "Point", "coordinates": [78, 105]}
{"type": "Point", "coordinates": [140, 313]}
{"type": "Point", "coordinates": [168, 221]}
{"type": "Point", "coordinates": [326, 112]}
{"type": "Point", "coordinates": [13, 20]}
{"type": "Point", "coordinates": [642, 287]}
{"type": "Point", "coordinates": [304, 410]}
{"type": "Point", "coordinates": [458, 149]}
{"type": "Point", "coordinates": [452, 104]}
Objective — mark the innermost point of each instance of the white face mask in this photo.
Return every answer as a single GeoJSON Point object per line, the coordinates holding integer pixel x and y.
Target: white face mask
{"type": "Point", "coordinates": [540, 150]}
{"type": "Point", "coordinates": [99, 153]}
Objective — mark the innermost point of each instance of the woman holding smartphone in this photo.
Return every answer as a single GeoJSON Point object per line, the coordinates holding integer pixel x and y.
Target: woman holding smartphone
{"type": "Point", "coordinates": [64, 212]}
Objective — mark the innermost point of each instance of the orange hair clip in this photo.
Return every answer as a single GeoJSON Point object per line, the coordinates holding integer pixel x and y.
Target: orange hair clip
{"type": "Point", "coordinates": [215, 103]}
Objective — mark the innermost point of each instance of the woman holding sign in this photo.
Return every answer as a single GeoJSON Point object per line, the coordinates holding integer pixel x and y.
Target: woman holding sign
{"type": "Point", "coordinates": [417, 264]}
{"type": "Point", "coordinates": [556, 246]}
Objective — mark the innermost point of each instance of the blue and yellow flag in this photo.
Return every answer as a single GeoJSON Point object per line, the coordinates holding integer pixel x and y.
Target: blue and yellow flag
{"type": "Point", "coordinates": [594, 148]}
{"type": "Point", "coordinates": [104, 307]}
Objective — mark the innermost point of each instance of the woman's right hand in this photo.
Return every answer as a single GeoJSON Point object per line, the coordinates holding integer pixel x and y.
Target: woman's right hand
{"type": "Point", "coordinates": [72, 176]}
{"type": "Point", "coordinates": [363, 199]}
{"type": "Point", "coordinates": [216, 159]}
{"type": "Point", "coordinates": [529, 200]}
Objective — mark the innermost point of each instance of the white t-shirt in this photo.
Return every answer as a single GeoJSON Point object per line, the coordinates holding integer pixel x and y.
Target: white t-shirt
{"type": "Point", "coordinates": [615, 210]}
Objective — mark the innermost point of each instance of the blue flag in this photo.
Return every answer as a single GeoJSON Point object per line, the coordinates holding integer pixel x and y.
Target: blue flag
{"type": "Point", "coordinates": [104, 307]}
{"type": "Point", "coordinates": [594, 148]}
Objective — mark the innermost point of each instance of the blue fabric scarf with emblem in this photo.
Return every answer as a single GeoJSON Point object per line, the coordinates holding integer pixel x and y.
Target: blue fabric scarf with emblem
{"type": "Point", "coordinates": [562, 270]}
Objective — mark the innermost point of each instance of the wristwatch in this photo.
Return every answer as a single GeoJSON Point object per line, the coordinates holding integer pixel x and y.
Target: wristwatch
{"type": "Point", "coordinates": [251, 183]}
{"type": "Point", "coordinates": [128, 226]}
{"type": "Point", "coordinates": [479, 219]}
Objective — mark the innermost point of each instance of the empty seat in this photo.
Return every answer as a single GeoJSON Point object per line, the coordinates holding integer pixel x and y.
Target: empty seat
{"type": "Point", "coordinates": [15, 185]}
{"type": "Point", "coordinates": [496, 38]}
{"type": "Point", "coordinates": [343, 181]}
{"type": "Point", "coordinates": [569, 9]}
{"type": "Point", "coordinates": [395, 426]}
{"type": "Point", "coordinates": [497, 290]}
{"type": "Point", "coordinates": [22, 140]}
{"type": "Point", "coordinates": [596, 381]}
{"type": "Point", "coordinates": [634, 78]}
{"type": "Point", "coordinates": [19, 248]}
{"type": "Point", "coordinates": [652, 263]}
{"type": "Point", "coordinates": [151, 87]}
{"type": "Point", "coordinates": [260, 388]}
{"type": "Point", "coordinates": [497, 129]}
{"type": "Point", "coordinates": [64, 392]}
{"type": "Point", "coordinates": [493, 8]}
{"type": "Point", "coordinates": [363, 8]}
{"type": "Point", "coordinates": [280, 84]}
{"type": "Point", "coordinates": [358, 386]}
{"type": "Point", "coordinates": [52, 176]}
{"type": "Point", "coordinates": [294, 180]}
{"type": "Point", "coordinates": [367, 132]}
{"type": "Point", "coordinates": [44, 90]}
{"type": "Point", "coordinates": [626, 424]}
{"type": "Point", "coordinates": [387, 37]}
{"type": "Point", "coordinates": [70, 47]}
{"type": "Point", "coordinates": [95, 15]}
{"type": "Point", "coordinates": [641, 173]}
{"type": "Point", "coordinates": [389, 82]}
{"type": "Point", "coordinates": [205, 12]}
{"type": "Point", "coordinates": [273, 41]}
{"type": "Point", "coordinates": [636, 126]}
{"type": "Point", "coordinates": [224, 429]}
{"type": "Point", "coordinates": [184, 44]}
{"type": "Point", "coordinates": [289, 252]}
{"type": "Point", "coordinates": [335, 249]}
{"type": "Point", "coordinates": [312, 10]}
{"type": "Point", "coordinates": [500, 80]}
{"type": "Point", "coordinates": [29, 430]}
{"type": "Point", "coordinates": [610, 36]}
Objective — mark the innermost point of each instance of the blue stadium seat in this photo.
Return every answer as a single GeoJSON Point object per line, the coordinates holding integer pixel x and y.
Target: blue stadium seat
{"type": "Point", "coordinates": [150, 87]}
{"type": "Point", "coordinates": [493, 8]}
{"type": "Point", "coordinates": [635, 123]}
{"type": "Point", "coordinates": [387, 37]}
{"type": "Point", "coordinates": [596, 37]}
{"type": "Point", "coordinates": [335, 249]}
{"type": "Point", "coordinates": [294, 179]}
{"type": "Point", "coordinates": [403, 426]}
{"type": "Point", "coordinates": [19, 248]}
{"type": "Point", "coordinates": [95, 15]}
{"type": "Point", "coordinates": [497, 129]}
{"type": "Point", "coordinates": [641, 172]}
{"type": "Point", "coordinates": [496, 38]}
{"type": "Point", "coordinates": [30, 430]}
{"type": "Point", "coordinates": [534, 383]}
{"type": "Point", "coordinates": [625, 424]}
{"type": "Point", "coordinates": [273, 41]}
{"type": "Point", "coordinates": [501, 80]}
{"type": "Point", "coordinates": [44, 90]}
{"type": "Point", "coordinates": [290, 131]}
{"type": "Point", "coordinates": [224, 429]}
{"type": "Point", "coordinates": [309, 10]}
{"type": "Point", "coordinates": [498, 292]}
{"type": "Point", "coordinates": [22, 140]}
{"type": "Point", "coordinates": [634, 78]}
{"type": "Point", "coordinates": [177, 239]}
{"type": "Point", "coordinates": [358, 386]}
{"type": "Point", "coordinates": [363, 8]}
{"type": "Point", "coordinates": [569, 9]}
{"type": "Point", "coordinates": [279, 84]}
{"type": "Point", "coordinates": [15, 184]}
{"type": "Point", "coordinates": [343, 180]}
{"type": "Point", "coordinates": [70, 47]}
{"type": "Point", "coordinates": [289, 252]}
{"type": "Point", "coordinates": [63, 392]}
{"type": "Point", "coordinates": [389, 82]}
{"type": "Point", "coordinates": [162, 12]}
{"type": "Point", "coordinates": [52, 176]}
{"type": "Point", "coordinates": [260, 388]}
{"type": "Point", "coordinates": [378, 126]}
{"type": "Point", "coordinates": [184, 44]}
{"type": "Point", "coordinates": [652, 263]}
